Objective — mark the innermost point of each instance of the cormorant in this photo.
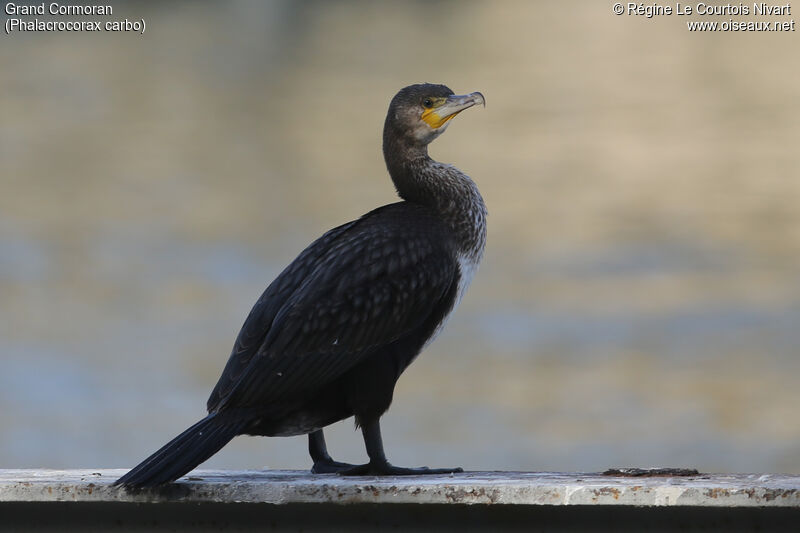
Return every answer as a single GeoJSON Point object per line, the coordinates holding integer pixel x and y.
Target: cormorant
{"type": "Point", "coordinates": [329, 338]}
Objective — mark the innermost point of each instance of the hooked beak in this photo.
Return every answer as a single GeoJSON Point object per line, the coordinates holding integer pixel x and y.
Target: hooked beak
{"type": "Point", "coordinates": [437, 117]}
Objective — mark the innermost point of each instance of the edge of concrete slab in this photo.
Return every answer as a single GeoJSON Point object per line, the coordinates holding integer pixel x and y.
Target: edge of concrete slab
{"type": "Point", "coordinates": [470, 488]}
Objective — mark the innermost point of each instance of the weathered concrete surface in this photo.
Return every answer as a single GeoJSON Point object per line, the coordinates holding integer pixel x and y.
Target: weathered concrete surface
{"type": "Point", "coordinates": [516, 488]}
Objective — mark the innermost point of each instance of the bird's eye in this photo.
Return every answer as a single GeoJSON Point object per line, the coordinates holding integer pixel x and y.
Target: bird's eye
{"type": "Point", "coordinates": [427, 103]}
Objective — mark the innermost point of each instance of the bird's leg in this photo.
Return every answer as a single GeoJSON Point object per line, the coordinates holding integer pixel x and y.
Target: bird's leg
{"type": "Point", "coordinates": [379, 466]}
{"type": "Point", "coordinates": [323, 464]}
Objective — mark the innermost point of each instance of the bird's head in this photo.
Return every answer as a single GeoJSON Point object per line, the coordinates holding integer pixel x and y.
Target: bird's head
{"type": "Point", "coordinates": [420, 113]}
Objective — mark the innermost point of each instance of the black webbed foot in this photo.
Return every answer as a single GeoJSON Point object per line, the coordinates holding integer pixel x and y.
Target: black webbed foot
{"type": "Point", "coordinates": [379, 466]}
{"type": "Point", "coordinates": [323, 463]}
{"type": "Point", "coordinates": [330, 466]}
{"type": "Point", "coordinates": [387, 469]}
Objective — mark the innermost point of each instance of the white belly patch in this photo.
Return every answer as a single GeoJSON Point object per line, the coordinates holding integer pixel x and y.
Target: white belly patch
{"type": "Point", "coordinates": [467, 266]}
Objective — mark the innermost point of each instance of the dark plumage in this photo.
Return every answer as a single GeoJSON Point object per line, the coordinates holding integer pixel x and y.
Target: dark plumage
{"type": "Point", "coordinates": [329, 338]}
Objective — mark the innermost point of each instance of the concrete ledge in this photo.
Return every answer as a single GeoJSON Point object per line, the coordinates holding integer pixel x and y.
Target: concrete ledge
{"type": "Point", "coordinates": [470, 488]}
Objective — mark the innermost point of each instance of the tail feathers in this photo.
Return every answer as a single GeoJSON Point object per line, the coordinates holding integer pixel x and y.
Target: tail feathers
{"type": "Point", "coordinates": [183, 453]}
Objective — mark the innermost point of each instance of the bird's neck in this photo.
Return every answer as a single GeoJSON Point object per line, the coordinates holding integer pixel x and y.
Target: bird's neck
{"type": "Point", "coordinates": [421, 180]}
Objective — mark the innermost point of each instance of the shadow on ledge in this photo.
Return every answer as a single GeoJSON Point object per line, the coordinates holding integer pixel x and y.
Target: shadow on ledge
{"type": "Point", "coordinates": [89, 517]}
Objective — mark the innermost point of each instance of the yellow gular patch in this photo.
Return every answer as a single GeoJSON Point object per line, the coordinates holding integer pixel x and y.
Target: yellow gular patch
{"type": "Point", "coordinates": [432, 118]}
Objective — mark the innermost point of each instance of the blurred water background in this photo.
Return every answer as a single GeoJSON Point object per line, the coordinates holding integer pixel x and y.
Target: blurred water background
{"type": "Point", "coordinates": [639, 301]}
